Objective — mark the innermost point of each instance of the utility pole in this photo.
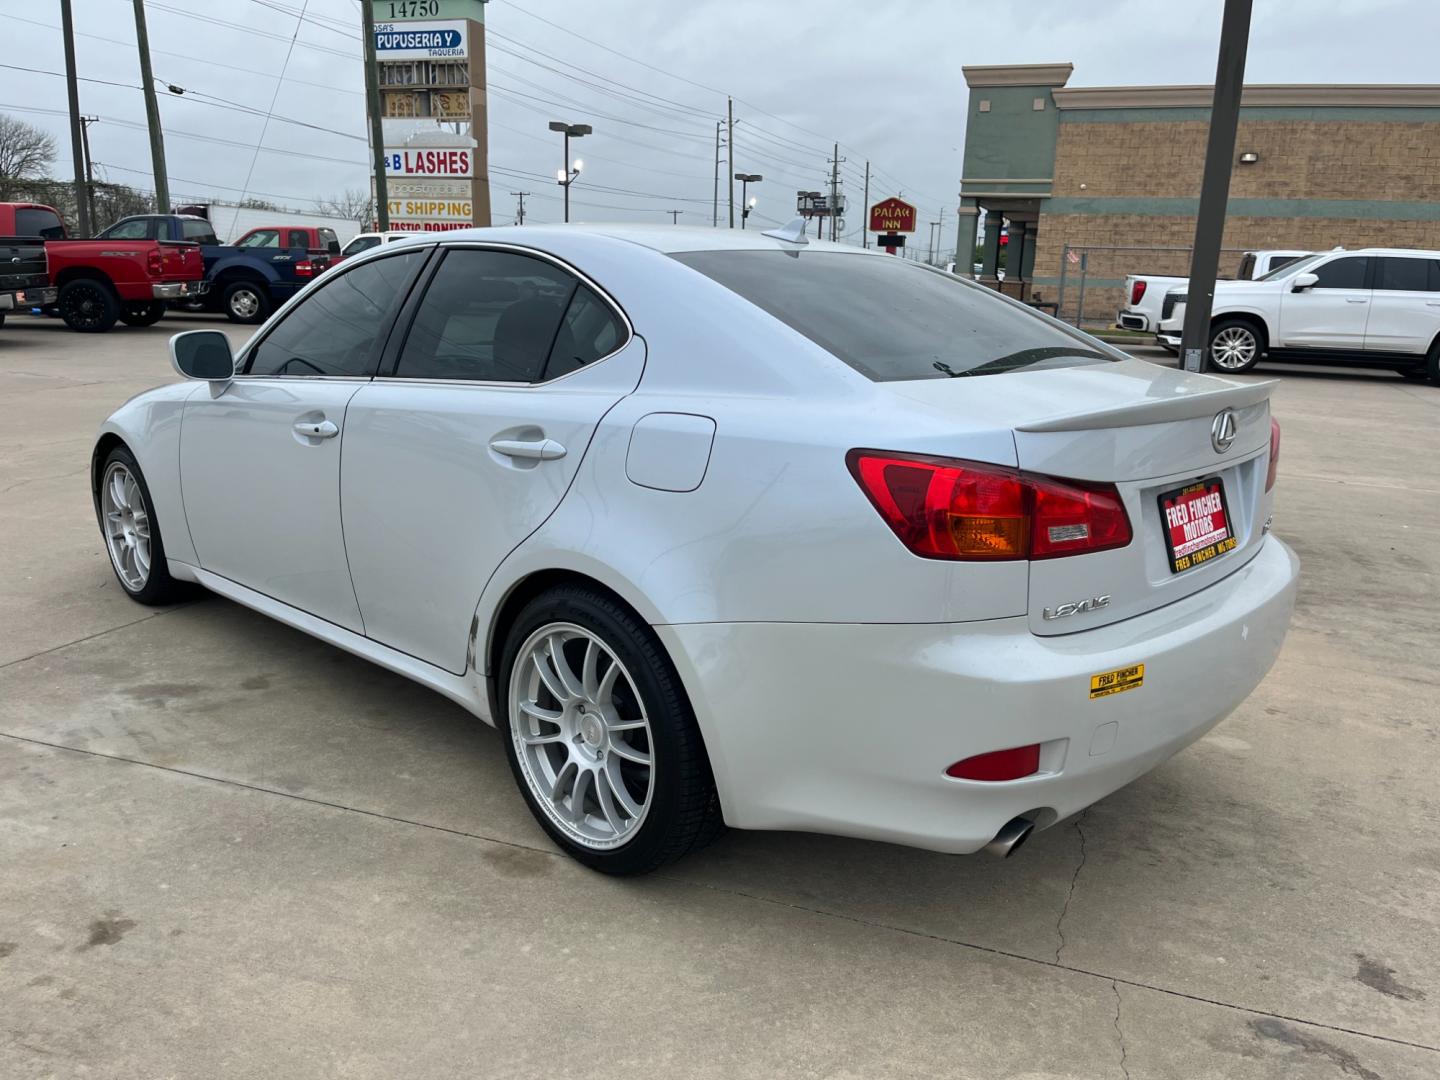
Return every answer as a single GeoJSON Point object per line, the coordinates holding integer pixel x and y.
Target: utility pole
{"type": "Point", "coordinates": [372, 106]}
{"type": "Point", "coordinates": [1215, 184]}
{"type": "Point", "coordinates": [520, 210]}
{"type": "Point", "coordinates": [85, 122]}
{"type": "Point", "coordinates": [715, 200]}
{"type": "Point", "coordinates": [865, 209]}
{"type": "Point", "coordinates": [152, 113]}
{"type": "Point", "coordinates": [730, 151]}
{"type": "Point", "coordinates": [674, 216]}
{"type": "Point", "coordinates": [835, 161]}
{"type": "Point", "coordinates": [930, 251]}
{"type": "Point", "coordinates": [67, 25]}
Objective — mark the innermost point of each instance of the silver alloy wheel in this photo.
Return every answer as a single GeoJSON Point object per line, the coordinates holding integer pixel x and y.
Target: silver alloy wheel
{"type": "Point", "coordinates": [581, 735]}
{"type": "Point", "coordinates": [245, 303]}
{"type": "Point", "coordinates": [127, 526]}
{"type": "Point", "coordinates": [1234, 347]}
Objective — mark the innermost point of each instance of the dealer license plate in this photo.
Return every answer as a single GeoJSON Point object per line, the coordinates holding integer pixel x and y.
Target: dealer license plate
{"type": "Point", "coordinates": [1197, 524]}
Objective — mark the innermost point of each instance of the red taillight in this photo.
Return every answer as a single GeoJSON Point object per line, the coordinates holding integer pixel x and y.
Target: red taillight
{"type": "Point", "coordinates": [1009, 764]}
{"type": "Point", "coordinates": [154, 263]}
{"type": "Point", "coordinates": [945, 509]}
{"type": "Point", "coordinates": [1274, 453]}
{"type": "Point", "coordinates": [304, 268]}
{"type": "Point", "coordinates": [1137, 291]}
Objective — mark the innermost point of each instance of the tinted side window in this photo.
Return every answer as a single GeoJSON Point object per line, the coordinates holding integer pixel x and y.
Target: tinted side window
{"type": "Point", "coordinates": [297, 238]}
{"type": "Point", "coordinates": [35, 221]}
{"type": "Point", "coordinates": [1404, 274]}
{"type": "Point", "coordinates": [1282, 260]}
{"type": "Point", "coordinates": [199, 231]}
{"type": "Point", "coordinates": [487, 316]}
{"type": "Point", "coordinates": [265, 238]}
{"type": "Point", "coordinates": [1342, 273]}
{"type": "Point", "coordinates": [361, 243]}
{"type": "Point", "coordinates": [1435, 275]}
{"type": "Point", "coordinates": [336, 330]}
{"type": "Point", "coordinates": [329, 241]}
{"type": "Point", "coordinates": [589, 331]}
{"type": "Point", "coordinates": [128, 230]}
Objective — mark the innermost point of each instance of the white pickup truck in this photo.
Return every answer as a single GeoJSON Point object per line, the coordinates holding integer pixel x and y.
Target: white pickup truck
{"type": "Point", "coordinates": [1145, 293]}
{"type": "Point", "coordinates": [1378, 307]}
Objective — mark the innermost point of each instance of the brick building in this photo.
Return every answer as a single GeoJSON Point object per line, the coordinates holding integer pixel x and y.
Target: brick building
{"type": "Point", "coordinates": [1120, 167]}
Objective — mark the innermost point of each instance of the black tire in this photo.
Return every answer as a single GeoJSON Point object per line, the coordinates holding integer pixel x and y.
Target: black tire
{"type": "Point", "coordinates": [1432, 364]}
{"type": "Point", "coordinates": [684, 811]}
{"type": "Point", "coordinates": [88, 305]}
{"type": "Point", "coordinates": [2, 318]}
{"type": "Point", "coordinates": [159, 587]}
{"type": "Point", "coordinates": [141, 314]}
{"type": "Point", "coordinates": [1226, 330]}
{"type": "Point", "coordinates": [246, 302]}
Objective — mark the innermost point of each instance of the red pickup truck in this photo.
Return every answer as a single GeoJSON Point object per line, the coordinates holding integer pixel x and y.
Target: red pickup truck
{"type": "Point", "coordinates": [100, 282]}
{"type": "Point", "coordinates": [316, 239]}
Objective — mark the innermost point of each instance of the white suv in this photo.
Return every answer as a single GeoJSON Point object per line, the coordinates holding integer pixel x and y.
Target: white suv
{"type": "Point", "coordinates": [1379, 307]}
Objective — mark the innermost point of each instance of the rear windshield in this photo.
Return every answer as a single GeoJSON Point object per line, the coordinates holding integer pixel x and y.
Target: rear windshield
{"type": "Point", "coordinates": [38, 221]}
{"type": "Point", "coordinates": [1294, 266]}
{"type": "Point", "coordinates": [892, 320]}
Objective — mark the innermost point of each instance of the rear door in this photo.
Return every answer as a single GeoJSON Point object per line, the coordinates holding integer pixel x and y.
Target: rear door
{"type": "Point", "coordinates": [469, 440]}
{"type": "Point", "coordinates": [1333, 312]}
{"type": "Point", "coordinates": [1405, 307]}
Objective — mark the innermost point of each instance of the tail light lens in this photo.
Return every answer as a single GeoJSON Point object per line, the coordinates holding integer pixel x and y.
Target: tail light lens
{"type": "Point", "coordinates": [304, 268]}
{"type": "Point", "coordinates": [154, 263]}
{"type": "Point", "coordinates": [1137, 291]}
{"type": "Point", "coordinates": [1274, 453]}
{"type": "Point", "coordinates": [946, 509]}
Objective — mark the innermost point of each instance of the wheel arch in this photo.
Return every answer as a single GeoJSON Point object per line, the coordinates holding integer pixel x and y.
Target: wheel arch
{"type": "Point", "coordinates": [1253, 318]}
{"type": "Point", "coordinates": [85, 273]}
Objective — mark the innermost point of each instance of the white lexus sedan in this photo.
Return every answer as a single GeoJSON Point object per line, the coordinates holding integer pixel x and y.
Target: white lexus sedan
{"type": "Point", "coordinates": [726, 528]}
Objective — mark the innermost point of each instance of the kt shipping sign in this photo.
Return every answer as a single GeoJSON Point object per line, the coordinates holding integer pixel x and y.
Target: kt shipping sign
{"type": "Point", "coordinates": [420, 40]}
{"type": "Point", "coordinates": [444, 162]}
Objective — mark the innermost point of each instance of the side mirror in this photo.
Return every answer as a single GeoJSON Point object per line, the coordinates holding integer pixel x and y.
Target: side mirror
{"type": "Point", "coordinates": [1301, 282]}
{"type": "Point", "coordinates": [203, 354]}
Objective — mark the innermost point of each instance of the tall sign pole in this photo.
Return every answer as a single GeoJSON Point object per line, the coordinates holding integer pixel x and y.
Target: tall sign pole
{"type": "Point", "coordinates": [1215, 185]}
{"type": "Point", "coordinates": [67, 25]}
{"type": "Point", "coordinates": [152, 113]}
{"type": "Point", "coordinates": [377, 129]}
{"type": "Point", "coordinates": [730, 151]}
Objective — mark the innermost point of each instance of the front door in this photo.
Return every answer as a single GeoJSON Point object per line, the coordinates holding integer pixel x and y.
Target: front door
{"type": "Point", "coordinates": [1332, 313]}
{"type": "Point", "coordinates": [465, 449]}
{"type": "Point", "coordinates": [260, 458]}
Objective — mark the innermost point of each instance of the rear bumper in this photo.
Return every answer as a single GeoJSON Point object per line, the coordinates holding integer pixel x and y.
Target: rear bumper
{"type": "Point", "coordinates": [179, 290]}
{"type": "Point", "coordinates": [27, 298]}
{"type": "Point", "coordinates": [1167, 339]}
{"type": "Point", "coordinates": [1132, 320]}
{"type": "Point", "coordinates": [848, 728]}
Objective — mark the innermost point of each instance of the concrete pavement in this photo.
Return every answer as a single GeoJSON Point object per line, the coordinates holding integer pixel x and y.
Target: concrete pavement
{"type": "Point", "coordinates": [231, 850]}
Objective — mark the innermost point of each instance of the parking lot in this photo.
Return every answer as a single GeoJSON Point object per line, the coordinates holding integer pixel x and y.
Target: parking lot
{"type": "Point", "coordinates": [229, 850]}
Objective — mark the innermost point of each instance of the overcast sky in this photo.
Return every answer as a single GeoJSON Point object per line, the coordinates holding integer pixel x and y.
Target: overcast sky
{"type": "Point", "coordinates": [882, 78]}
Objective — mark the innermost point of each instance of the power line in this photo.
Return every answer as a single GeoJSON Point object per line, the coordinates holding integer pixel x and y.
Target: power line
{"type": "Point", "coordinates": [273, 99]}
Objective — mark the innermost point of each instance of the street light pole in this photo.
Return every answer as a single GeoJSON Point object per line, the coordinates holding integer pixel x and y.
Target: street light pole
{"type": "Point", "coordinates": [1215, 184]}
{"type": "Point", "coordinates": [746, 203]}
{"type": "Point", "coordinates": [567, 173]}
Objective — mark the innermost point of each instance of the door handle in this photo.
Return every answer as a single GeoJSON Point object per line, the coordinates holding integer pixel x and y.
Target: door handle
{"type": "Point", "coordinates": [534, 450]}
{"type": "Point", "coordinates": [1356, 300]}
{"type": "Point", "coordinates": [316, 429]}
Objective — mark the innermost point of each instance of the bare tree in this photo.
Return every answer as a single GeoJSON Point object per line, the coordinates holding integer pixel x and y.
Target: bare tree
{"type": "Point", "coordinates": [353, 205]}
{"type": "Point", "coordinates": [253, 203]}
{"type": "Point", "coordinates": [26, 152]}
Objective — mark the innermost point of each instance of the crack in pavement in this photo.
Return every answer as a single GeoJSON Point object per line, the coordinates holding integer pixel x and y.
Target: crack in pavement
{"type": "Point", "coordinates": [92, 637]}
{"type": "Point", "coordinates": [1120, 1035]}
{"type": "Point", "coordinates": [1114, 980]}
{"type": "Point", "coordinates": [1073, 879]}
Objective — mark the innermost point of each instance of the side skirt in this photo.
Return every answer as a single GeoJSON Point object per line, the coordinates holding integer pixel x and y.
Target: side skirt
{"type": "Point", "coordinates": [469, 691]}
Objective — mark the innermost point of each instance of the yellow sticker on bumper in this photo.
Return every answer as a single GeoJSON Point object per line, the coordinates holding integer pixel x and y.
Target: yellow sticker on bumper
{"type": "Point", "coordinates": [1117, 681]}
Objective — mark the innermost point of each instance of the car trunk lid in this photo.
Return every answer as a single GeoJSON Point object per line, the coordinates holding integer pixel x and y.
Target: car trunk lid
{"type": "Point", "coordinates": [1145, 429]}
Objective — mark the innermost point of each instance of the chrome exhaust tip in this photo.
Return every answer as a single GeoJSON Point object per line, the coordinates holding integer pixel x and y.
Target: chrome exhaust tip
{"type": "Point", "coordinates": [1011, 835]}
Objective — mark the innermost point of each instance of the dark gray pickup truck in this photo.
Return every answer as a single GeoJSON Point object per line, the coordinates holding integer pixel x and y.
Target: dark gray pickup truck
{"type": "Point", "coordinates": [24, 275]}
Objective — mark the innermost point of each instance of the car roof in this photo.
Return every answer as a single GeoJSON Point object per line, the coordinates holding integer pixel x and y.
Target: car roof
{"type": "Point", "coordinates": [1419, 252]}
{"type": "Point", "coordinates": [662, 238]}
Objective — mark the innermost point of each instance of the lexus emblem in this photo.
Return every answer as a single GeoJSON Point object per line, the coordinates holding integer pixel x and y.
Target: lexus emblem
{"type": "Point", "coordinates": [1223, 430]}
